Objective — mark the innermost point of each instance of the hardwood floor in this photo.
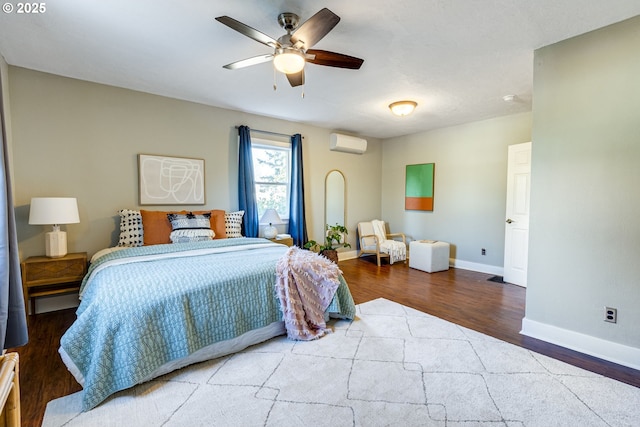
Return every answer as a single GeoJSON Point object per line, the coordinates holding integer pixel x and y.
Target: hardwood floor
{"type": "Point", "coordinates": [460, 296]}
{"type": "Point", "coordinates": [43, 376]}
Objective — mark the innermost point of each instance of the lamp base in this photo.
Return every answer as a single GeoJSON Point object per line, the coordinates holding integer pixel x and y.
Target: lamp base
{"type": "Point", "coordinates": [270, 232]}
{"type": "Point", "coordinates": [55, 243]}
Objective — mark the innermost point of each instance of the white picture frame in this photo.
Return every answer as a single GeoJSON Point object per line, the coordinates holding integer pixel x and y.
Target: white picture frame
{"type": "Point", "coordinates": [165, 180]}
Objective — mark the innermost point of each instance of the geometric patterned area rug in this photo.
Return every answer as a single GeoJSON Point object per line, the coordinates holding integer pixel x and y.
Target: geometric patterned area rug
{"type": "Point", "coordinates": [392, 366]}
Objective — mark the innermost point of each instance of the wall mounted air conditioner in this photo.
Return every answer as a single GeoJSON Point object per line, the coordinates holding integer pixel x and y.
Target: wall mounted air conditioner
{"type": "Point", "coordinates": [346, 143]}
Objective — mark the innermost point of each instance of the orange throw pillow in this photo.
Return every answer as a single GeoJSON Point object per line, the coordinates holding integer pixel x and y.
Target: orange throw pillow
{"type": "Point", "coordinates": [157, 227]}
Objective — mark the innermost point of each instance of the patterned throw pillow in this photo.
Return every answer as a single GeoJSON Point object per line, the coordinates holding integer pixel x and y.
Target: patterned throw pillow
{"type": "Point", "coordinates": [131, 231]}
{"type": "Point", "coordinates": [190, 227]}
{"type": "Point", "coordinates": [233, 223]}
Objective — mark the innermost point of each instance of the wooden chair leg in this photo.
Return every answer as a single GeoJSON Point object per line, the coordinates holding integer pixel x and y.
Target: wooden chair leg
{"type": "Point", "coordinates": [10, 389]}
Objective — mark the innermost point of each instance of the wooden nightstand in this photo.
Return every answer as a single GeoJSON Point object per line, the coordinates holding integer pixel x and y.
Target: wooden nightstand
{"type": "Point", "coordinates": [42, 276]}
{"type": "Point", "coordinates": [287, 241]}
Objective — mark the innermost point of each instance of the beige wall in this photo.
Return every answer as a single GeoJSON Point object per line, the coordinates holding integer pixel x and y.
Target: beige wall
{"type": "Point", "coordinates": [470, 186]}
{"type": "Point", "coordinates": [79, 139]}
{"type": "Point", "coordinates": [585, 227]}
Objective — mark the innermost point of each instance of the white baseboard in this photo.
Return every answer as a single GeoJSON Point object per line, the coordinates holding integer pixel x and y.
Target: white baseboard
{"type": "Point", "coordinates": [587, 344]}
{"type": "Point", "coordinates": [455, 263]}
{"type": "Point", "coordinates": [347, 255]}
{"type": "Point", "coordinates": [474, 266]}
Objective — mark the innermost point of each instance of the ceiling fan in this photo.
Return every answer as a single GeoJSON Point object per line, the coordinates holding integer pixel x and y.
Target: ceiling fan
{"type": "Point", "coordinates": [293, 50]}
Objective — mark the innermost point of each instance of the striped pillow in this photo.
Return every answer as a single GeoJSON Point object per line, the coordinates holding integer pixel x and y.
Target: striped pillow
{"type": "Point", "coordinates": [190, 227]}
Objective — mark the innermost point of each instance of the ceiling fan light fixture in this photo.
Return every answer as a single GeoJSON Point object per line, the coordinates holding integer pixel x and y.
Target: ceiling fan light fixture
{"type": "Point", "coordinates": [403, 108]}
{"type": "Point", "coordinates": [288, 60]}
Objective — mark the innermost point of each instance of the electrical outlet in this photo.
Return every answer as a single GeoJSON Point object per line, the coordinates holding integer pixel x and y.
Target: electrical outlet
{"type": "Point", "coordinates": [611, 314]}
{"type": "Point", "coordinates": [484, 251]}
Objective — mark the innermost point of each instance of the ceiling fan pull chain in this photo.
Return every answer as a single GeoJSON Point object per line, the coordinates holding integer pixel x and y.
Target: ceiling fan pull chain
{"type": "Point", "coordinates": [275, 86]}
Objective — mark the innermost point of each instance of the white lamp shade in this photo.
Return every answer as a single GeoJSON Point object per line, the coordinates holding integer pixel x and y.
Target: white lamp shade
{"type": "Point", "coordinates": [270, 217]}
{"type": "Point", "coordinates": [53, 211]}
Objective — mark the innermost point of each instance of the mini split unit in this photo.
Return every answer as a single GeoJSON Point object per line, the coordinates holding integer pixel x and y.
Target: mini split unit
{"type": "Point", "coordinates": [346, 143]}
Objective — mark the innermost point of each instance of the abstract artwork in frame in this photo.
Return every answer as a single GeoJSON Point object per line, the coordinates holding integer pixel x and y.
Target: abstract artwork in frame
{"type": "Point", "coordinates": [170, 180]}
{"type": "Point", "coordinates": [419, 187]}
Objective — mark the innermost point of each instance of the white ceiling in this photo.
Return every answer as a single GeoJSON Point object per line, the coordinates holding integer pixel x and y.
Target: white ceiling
{"type": "Point", "coordinates": [456, 58]}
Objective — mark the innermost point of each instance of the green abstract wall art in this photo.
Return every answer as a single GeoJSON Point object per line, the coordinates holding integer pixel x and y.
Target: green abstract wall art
{"type": "Point", "coordinates": [419, 187]}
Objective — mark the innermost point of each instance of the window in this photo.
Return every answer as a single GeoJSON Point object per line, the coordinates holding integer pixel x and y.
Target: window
{"type": "Point", "coordinates": [272, 173]}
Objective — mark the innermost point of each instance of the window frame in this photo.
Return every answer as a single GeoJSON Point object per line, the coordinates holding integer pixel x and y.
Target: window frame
{"type": "Point", "coordinates": [269, 144]}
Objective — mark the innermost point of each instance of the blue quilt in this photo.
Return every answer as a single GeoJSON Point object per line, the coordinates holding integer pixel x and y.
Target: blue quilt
{"type": "Point", "coordinates": [146, 306]}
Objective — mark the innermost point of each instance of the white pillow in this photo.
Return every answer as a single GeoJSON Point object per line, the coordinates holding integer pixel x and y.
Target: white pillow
{"type": "Point", "coordinates": [233, 223]}
{"type": "Point", "coordinates": [131, 231]}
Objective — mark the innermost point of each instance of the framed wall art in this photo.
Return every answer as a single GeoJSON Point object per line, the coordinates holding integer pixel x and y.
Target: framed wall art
{"type": "Point", "coordinates": [170, 180]}
{"type": "Point", "coordinates": [419, 187]}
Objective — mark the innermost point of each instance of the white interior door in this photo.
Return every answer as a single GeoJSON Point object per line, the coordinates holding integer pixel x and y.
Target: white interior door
{"type": "Point", "coordinates": [516, 245]}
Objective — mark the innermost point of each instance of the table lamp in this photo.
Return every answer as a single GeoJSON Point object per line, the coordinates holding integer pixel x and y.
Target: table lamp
{"type": "Point", "coordinates": [271, 217]}
{"type": "Point", "coordinates": [54, 211]}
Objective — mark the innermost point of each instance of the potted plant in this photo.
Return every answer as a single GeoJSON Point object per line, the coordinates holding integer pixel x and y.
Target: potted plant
{"type": "Point", "coordinates": [333, 239]}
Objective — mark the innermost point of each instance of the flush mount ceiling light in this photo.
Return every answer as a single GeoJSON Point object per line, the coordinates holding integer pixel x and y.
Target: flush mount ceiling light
{"type": "Point", "coordinates": [288, 60]}
{"type": "Point", "coordinates": [403, 108]}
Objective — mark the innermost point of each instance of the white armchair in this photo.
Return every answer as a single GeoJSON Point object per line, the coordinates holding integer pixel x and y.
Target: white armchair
{"type": "Point", "coordinates": [375, 239]}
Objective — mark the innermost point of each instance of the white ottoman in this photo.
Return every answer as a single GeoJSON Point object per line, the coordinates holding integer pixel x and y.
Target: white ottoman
{"type": "Point", "coordinates": [429, 255]}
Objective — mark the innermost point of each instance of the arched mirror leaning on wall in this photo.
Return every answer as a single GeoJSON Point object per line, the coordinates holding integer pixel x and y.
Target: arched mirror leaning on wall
{"type": "Point", "coordinates": [334, 198]}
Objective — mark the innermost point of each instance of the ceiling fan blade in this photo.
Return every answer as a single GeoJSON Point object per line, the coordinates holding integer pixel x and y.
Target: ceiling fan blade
{"type": "Point", "coordinates": [248, 31]}
{"type": "Point", "coordinates": [332, 59]}
{"type": "Point", "coordinates": [315, 28]}
{"type": "Point", "coordinates": [296, 79]}
{"type": "Point", "coordinates": [248, 62]}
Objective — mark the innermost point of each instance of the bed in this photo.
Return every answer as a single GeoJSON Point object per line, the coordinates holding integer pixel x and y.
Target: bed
{"type": "Point", "coordinates": [146, 311]}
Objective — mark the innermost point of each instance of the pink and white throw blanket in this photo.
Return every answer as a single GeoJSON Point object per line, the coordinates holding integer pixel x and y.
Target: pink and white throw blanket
{"type": "Point", "coordinates": [305, 284]}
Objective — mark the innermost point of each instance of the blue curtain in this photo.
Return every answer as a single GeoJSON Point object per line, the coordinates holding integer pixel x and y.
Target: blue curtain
{"type": "Point", "coordinates": [246, 184]}
{"type": "Point", "coordinates": [297, 223]}
{"type": "Point", "coordinates": [13, 320]}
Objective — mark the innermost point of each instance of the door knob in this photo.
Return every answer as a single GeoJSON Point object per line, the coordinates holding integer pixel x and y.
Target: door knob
{"type": "Point", "coordinates": [509, 221]}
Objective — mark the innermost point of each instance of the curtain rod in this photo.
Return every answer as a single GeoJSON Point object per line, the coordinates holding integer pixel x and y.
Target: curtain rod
{"type": "Point", "coordinates": [268, 132]}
